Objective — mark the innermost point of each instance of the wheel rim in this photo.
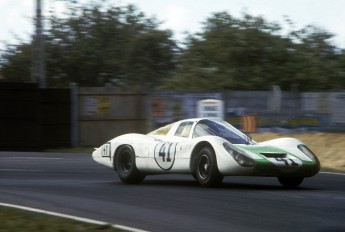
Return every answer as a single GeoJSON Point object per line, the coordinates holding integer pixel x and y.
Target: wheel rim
{"type": "Point", "coordinates": [204, 166]}
{"type": "Point", "coordinates": [125, 162]}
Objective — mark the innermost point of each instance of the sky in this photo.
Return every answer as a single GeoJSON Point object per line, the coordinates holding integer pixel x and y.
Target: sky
{"type": "Point", "coordinates": [187, 15]}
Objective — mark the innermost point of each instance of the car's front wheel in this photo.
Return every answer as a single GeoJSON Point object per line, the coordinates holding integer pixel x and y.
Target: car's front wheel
{"type": "Point", "coordinates": [126, 167]}
{"type": "Point", "coordinates": [207, 173]}
{"type": "Point", "coordinates": [290, 182]}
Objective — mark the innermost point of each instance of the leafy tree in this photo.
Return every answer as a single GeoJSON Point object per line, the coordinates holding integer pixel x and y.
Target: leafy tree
{"type": "Point", "coordinates": [16, 62]}
{"type": "Point", "coordinates": [100, 44]}
{"type": "Point", "coordinates": [97, 45]}
{"type": "Point", "coordinates": [251, 54]}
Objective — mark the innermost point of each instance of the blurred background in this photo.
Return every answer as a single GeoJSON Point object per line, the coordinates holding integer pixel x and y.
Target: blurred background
{"type": "Point", "coordinates": [83, 72]}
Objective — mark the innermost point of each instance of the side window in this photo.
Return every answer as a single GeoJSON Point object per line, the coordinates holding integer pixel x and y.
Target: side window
{"type": "Point", "coordinates": [200, 130]}
{"type": "Point", "coordinates": [205, 128]}
{"type": "Point", "coordinates": [183, 129]}
{"type": "Point", "coordinates": [162, 130]}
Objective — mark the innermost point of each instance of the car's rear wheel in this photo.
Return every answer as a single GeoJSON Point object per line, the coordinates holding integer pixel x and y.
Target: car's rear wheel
{"type": "Point", "coordinates": [207, 173]}
{"type": "Point", "coordinates": [290, 182]}
{"type": "Point", "coordinates": [126, 167]}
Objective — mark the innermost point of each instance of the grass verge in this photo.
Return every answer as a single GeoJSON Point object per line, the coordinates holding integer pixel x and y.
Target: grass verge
{"type": "Point", "coordinates": [16, 220]}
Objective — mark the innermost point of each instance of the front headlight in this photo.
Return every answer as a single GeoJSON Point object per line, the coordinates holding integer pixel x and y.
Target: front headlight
{"type": "Point", "coordinates": [240, 157]}
{"type": "Point", "coordinates": [308, 152]}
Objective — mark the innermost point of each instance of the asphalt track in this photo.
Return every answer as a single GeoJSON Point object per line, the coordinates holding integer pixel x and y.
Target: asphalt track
{"type": "Point", "coordinates": [73, 184]}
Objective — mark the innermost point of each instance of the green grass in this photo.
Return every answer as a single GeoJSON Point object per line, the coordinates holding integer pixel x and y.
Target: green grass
{"type": "Point", "coordinates": [15, 220]}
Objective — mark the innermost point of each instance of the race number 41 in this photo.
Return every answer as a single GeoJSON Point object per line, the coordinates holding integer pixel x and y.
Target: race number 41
{"type": "Point", "coordinates": [165, 155]}
{"type": "Point", "coordinates": [287, 162]}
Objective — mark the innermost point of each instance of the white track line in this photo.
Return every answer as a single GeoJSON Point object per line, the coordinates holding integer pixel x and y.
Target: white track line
{"type": "Point", "coordinates": [21, 170]}
{"type": "Point", "coordinates": [334, 173]}
{"type": "Point", "coordinates": [32, 157]}
{"type": "Point", "coordinates": [72, 217]}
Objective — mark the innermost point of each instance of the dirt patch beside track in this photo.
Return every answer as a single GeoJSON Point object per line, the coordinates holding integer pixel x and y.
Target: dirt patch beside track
{"type": "Point", "coordinates": [328, 147]}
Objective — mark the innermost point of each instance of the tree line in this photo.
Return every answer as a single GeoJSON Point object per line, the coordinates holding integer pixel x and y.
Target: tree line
{"type": "Point", "coordinates": [98, 45]}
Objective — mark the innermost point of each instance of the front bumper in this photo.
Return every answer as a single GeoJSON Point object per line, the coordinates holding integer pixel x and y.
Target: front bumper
{"type": "Point", "coordinates": [266, 168]}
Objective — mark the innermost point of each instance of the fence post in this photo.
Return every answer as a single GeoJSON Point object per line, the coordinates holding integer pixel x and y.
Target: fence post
{"type": "Point", "coordinates": [74, 115]}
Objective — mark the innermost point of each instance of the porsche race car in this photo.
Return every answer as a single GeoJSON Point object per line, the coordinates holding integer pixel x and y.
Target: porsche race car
{"type": "Point", "coordinates": [209, 150]}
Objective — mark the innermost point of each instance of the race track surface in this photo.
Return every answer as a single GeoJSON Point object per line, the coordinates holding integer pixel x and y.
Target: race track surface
{"type": "Point", "coordinates": [74, 184]}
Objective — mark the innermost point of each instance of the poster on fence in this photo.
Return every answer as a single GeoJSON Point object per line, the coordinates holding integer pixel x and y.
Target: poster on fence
{"type": "Point", "coordinates": [172, 106]}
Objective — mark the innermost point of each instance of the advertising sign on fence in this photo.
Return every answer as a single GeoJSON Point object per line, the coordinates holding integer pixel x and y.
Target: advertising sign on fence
{"type": "Point", "coordinates": [210, 108]}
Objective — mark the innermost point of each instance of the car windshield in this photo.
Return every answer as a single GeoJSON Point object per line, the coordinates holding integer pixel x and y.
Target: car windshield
{"type": "Point", "coordinates": [221, 129]}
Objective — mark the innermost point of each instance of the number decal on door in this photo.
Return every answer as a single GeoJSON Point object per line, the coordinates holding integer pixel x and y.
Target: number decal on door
{"type": "Point", "coordinates": [165, 155]}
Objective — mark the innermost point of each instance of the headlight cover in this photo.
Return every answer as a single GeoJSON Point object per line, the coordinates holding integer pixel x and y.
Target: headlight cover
{"type": "Point", "coordinates": [241, 158]}
{"type": "Point", "coordinates": [308, 152]}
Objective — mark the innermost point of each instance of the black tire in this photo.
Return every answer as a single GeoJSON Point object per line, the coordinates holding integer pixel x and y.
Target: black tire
{"type": "Point", "coordinates": [126, 167]}
{"type": "Point", "coordinates": [206, 169]}
{"type": "Point", "coordinates": [290, 182]}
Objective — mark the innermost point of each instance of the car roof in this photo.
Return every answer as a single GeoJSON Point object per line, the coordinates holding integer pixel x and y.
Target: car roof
{"type": "Point", "coordinates": [169, 129]}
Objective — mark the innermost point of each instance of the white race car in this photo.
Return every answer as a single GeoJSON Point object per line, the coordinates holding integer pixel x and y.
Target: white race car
{"type": "Point", "coordinates": [209, 150]}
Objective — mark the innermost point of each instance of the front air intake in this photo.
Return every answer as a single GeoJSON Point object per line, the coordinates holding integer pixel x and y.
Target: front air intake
{"type": "Point", "coordinates": [273, 155]}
